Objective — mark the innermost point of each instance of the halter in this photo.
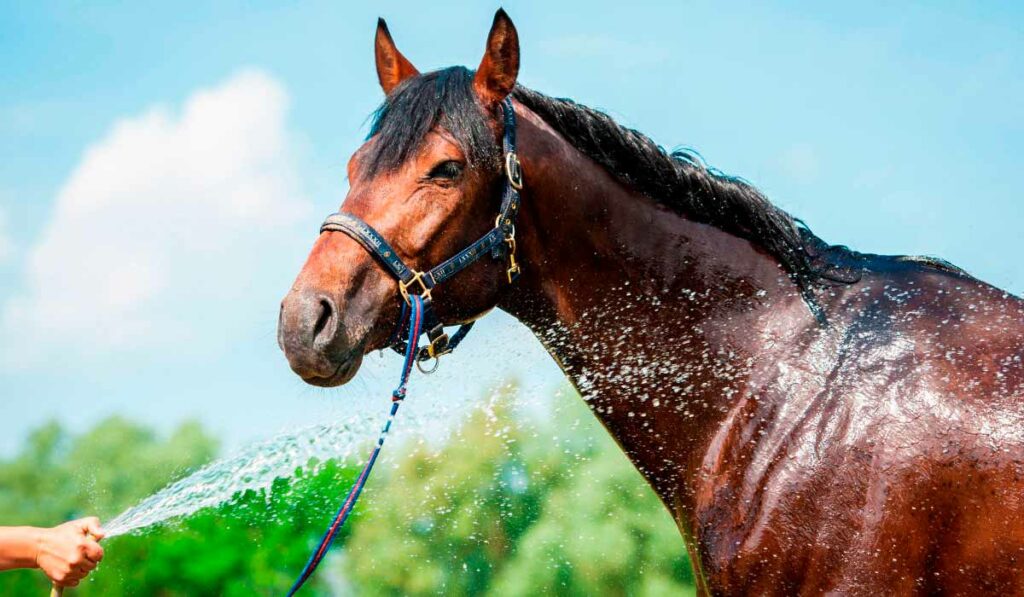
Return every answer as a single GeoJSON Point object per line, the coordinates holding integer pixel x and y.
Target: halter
{"type": "Point", "coordinates": [418, 315]}
{"type": "Point", "coordinates": [499, 242]}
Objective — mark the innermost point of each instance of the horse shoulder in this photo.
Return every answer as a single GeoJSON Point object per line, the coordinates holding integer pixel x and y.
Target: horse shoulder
{"type": "Point", "coordinates": [843, 458]}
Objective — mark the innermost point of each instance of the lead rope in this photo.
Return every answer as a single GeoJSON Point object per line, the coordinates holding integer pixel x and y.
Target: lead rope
{"type": "Point", "coordinates": [397, 396]}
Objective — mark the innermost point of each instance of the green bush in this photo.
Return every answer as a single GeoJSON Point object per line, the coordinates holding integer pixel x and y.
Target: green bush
{"type": "Point", "coordinates": [502, 508]}
{"type": "Point", "coordinates": [505, 508]}
{"type": "Point", "coordinates": [254, 544]}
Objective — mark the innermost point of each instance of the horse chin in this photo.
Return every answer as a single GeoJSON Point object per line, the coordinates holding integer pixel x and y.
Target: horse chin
{"type": "Point", "coordinates": [347, 369]}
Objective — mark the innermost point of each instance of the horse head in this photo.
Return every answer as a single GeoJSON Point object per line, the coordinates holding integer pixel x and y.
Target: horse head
{"type": "Point", "coordinates": [428, 179]}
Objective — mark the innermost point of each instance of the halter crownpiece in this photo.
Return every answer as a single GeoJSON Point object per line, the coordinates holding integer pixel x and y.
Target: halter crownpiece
{"type": "Point", "coordinates": [499, 242]}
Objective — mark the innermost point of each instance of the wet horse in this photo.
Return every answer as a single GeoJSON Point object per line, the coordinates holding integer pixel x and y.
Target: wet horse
{"type": "Point", "coordinates": [815, 419]}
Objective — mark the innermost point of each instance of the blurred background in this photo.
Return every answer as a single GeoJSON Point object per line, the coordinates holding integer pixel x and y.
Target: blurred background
{"type": "Point", "coordinates": [164, 172]}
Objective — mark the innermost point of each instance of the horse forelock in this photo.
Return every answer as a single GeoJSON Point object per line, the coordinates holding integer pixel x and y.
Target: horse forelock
{"type": "Point", "coordinates": [442, 98]}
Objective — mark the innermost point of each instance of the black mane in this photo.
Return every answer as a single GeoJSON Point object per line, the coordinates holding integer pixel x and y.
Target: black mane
{"type": "Point", "coordinates": [679, 180]}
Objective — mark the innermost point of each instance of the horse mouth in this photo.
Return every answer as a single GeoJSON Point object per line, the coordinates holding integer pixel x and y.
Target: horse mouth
{"type": "Point", "coordinates": [343, 373]}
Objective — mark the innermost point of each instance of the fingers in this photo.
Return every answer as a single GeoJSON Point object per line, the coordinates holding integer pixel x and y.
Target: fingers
{"type": "Point", "coordinates": [92, 550]}
{"type": "Point", "coordinates": [78, 566]}
{"type": "Point", "coordinates": [92, 526]}
{"type": "Point", "coordinates": [69, 582]}
{"type": "Point", "coordinates": [75, 575]}
{"type": "Point", "coordinates": [85, 554]}
{"type": "Point", "coordinates": [66, 575]}
{"type": "Point", "coordinates": [69, 552]}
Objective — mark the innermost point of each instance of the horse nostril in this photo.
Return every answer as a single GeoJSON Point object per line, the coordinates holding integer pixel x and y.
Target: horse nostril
{"type": "Point", "coordinates": [325, 327]}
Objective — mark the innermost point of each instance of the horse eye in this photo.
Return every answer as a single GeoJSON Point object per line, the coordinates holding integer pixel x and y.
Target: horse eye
{"type": "Point", "coordinates": [448, 170]}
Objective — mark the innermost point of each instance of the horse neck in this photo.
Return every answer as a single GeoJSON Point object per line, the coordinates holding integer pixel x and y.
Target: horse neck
{"type": "Point", "coordinates": [653, 317]}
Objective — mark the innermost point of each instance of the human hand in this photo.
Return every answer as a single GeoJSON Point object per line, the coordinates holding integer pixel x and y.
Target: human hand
{"type": "Point", "coordinates": [68, 552]}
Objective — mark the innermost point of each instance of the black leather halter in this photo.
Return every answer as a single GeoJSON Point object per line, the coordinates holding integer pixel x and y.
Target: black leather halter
{"type": "Point", "coordinates": [499, 242]}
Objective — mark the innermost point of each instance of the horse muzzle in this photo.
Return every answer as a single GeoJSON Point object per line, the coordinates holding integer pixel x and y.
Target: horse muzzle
{"type": "Point", "coordinates": [313, 337]}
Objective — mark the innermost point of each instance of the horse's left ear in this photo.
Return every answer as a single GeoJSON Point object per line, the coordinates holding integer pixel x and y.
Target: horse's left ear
{"type": "Point", "coordinates": [496, 76]}
{"type": "Point", "coordinates": [392, 66]}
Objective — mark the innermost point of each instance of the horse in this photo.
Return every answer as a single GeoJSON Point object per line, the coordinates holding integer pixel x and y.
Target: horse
{"type": "Point", "coordinates": [816, 419]}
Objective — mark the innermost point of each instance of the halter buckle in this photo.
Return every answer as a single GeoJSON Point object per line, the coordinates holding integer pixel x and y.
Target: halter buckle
{"type": "Point", "coordinates": [514, 170]}
{"type": "Point", "coordinates": [403, 287]}
{"type": "Point", "coordinates": [513, 268]}
{"type": "Point", "coordinates": [438, 346]}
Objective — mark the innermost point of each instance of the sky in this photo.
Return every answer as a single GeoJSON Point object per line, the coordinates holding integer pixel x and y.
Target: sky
{"type": "Point", "coordinates": [164, 170]}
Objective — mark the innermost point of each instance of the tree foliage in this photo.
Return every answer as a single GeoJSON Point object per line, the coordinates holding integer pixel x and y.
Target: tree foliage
{"type": "Point", "coordinates": [510, 508]}
{"type": "Point", "coordinates": [507, 506]}
{"type": "Point", "coordinates": [253, 544]}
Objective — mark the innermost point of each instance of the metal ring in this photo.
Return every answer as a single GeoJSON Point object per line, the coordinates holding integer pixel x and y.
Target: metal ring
{"type": "Point", "coordinates": [514, 171]}
{"type": "Point", "coordinates": [419, 365]}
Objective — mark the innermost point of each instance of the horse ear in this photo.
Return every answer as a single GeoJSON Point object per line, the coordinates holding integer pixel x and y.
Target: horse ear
{"type": "Point", "coordinates": [496, 76]}
{"type": "Point", "coordinates": [392, 66]}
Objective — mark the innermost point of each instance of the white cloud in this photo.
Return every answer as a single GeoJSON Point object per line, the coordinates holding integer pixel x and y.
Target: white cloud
{"type": "Point", "coordinates": [162, 226]}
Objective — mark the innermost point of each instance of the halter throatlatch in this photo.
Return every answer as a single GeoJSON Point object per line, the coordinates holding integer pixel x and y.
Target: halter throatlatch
{"type": "Point", "coordinates": [500, 242]}
{"type": "Point", "coordinates": [417, 315]}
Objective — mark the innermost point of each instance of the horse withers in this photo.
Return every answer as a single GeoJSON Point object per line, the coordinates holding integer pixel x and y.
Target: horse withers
{"type": "Point", "coordinates": [815, 419]}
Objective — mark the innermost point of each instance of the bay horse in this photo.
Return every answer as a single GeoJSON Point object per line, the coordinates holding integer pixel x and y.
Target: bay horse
{"type": "Point", "coordinates": [817, 420]}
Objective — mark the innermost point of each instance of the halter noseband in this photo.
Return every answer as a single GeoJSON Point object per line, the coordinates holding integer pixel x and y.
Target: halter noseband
{"type": "Point", "coordinates": [499, 242]}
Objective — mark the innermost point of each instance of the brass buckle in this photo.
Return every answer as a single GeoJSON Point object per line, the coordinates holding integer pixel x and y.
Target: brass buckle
{"type": "Point", "coordinates": [432, 348]}
{"type": "Point", "coordinates": [403, 287]}
{"type": "Point", "coordinates": [513, 267]}
{"type": "Point", "coordinates": [514, 170]}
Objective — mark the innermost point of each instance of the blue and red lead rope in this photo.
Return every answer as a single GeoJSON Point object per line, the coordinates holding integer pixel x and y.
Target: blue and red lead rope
{"type": "Point", "coordinates": [415, 328]}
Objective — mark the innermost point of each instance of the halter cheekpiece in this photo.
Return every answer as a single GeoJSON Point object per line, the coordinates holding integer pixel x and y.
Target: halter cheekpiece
{"type": "Point", "coordinates": [500, 242]}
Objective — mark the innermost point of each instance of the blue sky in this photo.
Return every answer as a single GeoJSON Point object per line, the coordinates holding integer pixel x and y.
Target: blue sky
{"type": "Point", "coordinates": [164, 169]}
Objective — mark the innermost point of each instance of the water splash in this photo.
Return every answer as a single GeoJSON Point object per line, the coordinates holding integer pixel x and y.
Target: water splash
{"type": "Point", "coordinates": [432, 416]}
{"type": "Point", "coordinates": [254, 467]}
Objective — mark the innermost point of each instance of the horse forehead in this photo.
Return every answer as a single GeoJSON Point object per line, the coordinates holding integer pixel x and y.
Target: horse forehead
{"type": "Point", "coordinates": [436, 143]}
{"type": "Point", "coordinates": [441, 138]}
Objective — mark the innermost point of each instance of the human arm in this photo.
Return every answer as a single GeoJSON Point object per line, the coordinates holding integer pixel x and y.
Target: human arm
{"type": "Point", "coordinates": [66, 553]}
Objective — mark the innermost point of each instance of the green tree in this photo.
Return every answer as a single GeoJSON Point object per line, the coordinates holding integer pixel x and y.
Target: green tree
{"type": "Point", "coordinates": [255, 543]}
{"type": "Point", "coordinates": [604, 532]}
{"type": "Point", "coordinates": [444, 522]}
{"type": "Point", "coordinates": [507, 508]}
